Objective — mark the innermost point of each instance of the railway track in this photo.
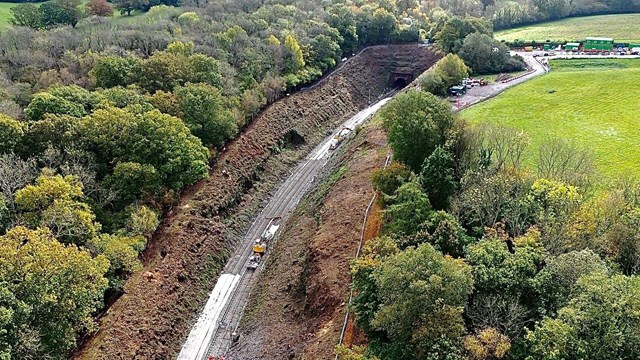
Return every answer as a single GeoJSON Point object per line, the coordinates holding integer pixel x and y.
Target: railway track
{"type": "Point", "coordinates": [213, 333]}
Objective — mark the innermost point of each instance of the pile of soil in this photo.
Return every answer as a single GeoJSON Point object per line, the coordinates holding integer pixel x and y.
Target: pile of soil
{"type": "Point", "coordinates": [297, 309]}
{"type": "Point", "coordinates": [160, 303]}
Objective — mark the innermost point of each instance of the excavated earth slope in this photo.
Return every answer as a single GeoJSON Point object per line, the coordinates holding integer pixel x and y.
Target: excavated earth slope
{"type": "Point", "coordinates": [297, 309]}
{"type": "Point", "coordinates": [161, 302]}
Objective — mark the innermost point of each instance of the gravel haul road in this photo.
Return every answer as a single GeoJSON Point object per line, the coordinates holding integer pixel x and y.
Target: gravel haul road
{"type": "Point", "coordinates": [212, 333]}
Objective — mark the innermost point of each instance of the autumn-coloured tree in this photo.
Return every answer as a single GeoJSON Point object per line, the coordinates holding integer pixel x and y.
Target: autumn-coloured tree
{"type": "Point", "coordinates": [99, 8]}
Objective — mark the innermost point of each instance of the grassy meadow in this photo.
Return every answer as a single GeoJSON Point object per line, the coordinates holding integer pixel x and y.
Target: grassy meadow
{"type": "Point", "coordinates": [5, 12]}
{"type": "Point", "coordinates": [623, 27]}
{"type": "Point", "coordinates": [593, 103]}
{"type": "Point", "coordinates": [117, 19]}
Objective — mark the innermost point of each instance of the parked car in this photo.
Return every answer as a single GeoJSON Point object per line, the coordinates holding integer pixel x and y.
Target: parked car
{"type": "Point", "coordinates": [457, 90]}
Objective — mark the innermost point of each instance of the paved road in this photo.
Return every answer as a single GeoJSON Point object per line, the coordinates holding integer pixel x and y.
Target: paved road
{"type": "Point", "coordinates": [481, 93]}
{"type": "Point", "coordinates": [212, 334]}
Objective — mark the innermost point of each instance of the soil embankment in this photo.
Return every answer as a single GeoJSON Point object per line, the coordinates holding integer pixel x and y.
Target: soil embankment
{"type": "Point", "coordinates": [297, 308]}
{"type": "Point", "coordinates": [161, 302]}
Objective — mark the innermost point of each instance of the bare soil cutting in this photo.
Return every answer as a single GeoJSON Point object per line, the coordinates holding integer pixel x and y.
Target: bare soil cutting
{"type": "Point", "coordinates": [297, 310]}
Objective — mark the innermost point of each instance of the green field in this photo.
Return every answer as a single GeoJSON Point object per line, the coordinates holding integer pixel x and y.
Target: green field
{"type": "Point", "coordinates": [595, 105]}
{"type": "Point", "coordinates": [622, 28]}
{"type": "Point", "coordinates": [5, 14]}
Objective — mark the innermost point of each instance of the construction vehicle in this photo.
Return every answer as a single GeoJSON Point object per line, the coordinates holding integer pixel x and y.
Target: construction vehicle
{"type": "Point", "coordinates": [254, 261]}
{"type": "Point", "coordinates": [260, 245]}
{"type": "Point", "coordinates": [339, 138]}
{"type": "Point", "coordinates": [259, 249]}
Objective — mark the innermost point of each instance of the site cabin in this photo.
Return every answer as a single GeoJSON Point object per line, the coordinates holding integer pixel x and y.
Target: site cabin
{"type": "Point", "coordinates": [598, 44]}
{"type": "Point", "coordinates": [572, 46]}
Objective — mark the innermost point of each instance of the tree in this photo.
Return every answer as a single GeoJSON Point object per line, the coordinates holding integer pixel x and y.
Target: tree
{"type": "Point", "coordinates": [557, 282]}
{"type": "Point", "coordinates": [382, 27]}
{"type": "Point", "coordinates": [47, 189]}
{"type": "Point", "coordinates": [71, 222]}
{"type": "Point", "coordinates": [143, 221]}
{"type": "Point", "coordinates": [27, 15]}
{"type": "Point", "coordinates": [488, 198]}
{"type": "Point", "coordinates": [598, 323]}
{"type": "Point", "coordinates": [417, 122]}
{"type": "Point", "coordinates": [487, 344]}
{"type": "Point", "coordinates": [204, 69]}
{"type": "Point", "coordinates": [422, 294]}
{"type": "Point", "coordinates": [99, 8]}
{"type": "Point", "coordinates": [127, 6]}
{"type": "Point", "coordinates": [455, 29]}
{"type": "Point", "coordinates": [406, 210]}
{"type": "Point", "coordinates": [389, 179]}
{"type": "Point", "coordinates": [44, 103]}
{"type": "Point", "coordinates": [160, 140]}
{"type": "Point", "coordinates": [130, 180]}
{"type": "Point", "coordinates": [504, 272]}
{"type": "Point", "coordinates": [343, 19]}
{"type": "Point", "coordinates": [66, 12]}
{"type": "Point", "coordinates": [58, 290]}
{"type": "Point", "coordinates": [56, 202]}
{"type": "Point", "coordinates": [500, 271]}
{"type": "Point", "coordinates": [205, 114]}
{"type": "Point", "coordinates": [623, 242]}
{"type": "Point", "coordinates": [75, 94]}
{"type": "Point", "coordinates": [404, 6]}
{"type": "Point", "coordinates": [485, 55]}
{"type": "Point", "coordinates": [294, 60]}
{"type": "Point", "coordinates": [562, 160]}
{"type": "Point", "coordinates": [11, 132]}
{"type": "Point", "coordinates": [452, 70]}
{"type": "Point", "coordinates": [122, 253]}
{"type": "Point", "coordinates": [110, 71]}
{"type": "Point", "coordinates": [437, 178]}
{"type": "Point", "coordinates": [366, 300]}
{"type": "Point", "coordinates": [444, 232]}
{"type": "Point", "coordinates": [124, 98]}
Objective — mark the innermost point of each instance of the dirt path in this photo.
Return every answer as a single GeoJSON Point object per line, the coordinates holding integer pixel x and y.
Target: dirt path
{"type": "Point", "coordinates": [298, 307]}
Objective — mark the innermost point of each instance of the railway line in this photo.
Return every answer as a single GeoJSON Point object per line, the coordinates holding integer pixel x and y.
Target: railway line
{"type": "Point", "coordinates": [213, 333]}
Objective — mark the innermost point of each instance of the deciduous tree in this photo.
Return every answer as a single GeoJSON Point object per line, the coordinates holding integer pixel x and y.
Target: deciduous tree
{"type": "Point", "coordinates": [204, 112]}
{"type": "Point", "coordinates": [99, 8]}
{"type": "Point", "coordinates": [422, 294]}
{"type": "Point", "coordinates": [11, 132]}
{"type": "Point", "coordinates": [417, 122]}
{"type": "Point", "coordinates": [59, 289]}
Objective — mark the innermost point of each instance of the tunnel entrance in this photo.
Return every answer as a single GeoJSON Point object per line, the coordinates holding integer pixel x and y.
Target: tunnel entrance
{"type": "Point", "coordinates": [400, 77]}
{"type": "Point", "coordinates": [399, 83]}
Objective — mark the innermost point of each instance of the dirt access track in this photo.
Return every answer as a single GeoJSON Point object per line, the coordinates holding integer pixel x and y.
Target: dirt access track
{"type": "Point", "coordinates": [160, 303]}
